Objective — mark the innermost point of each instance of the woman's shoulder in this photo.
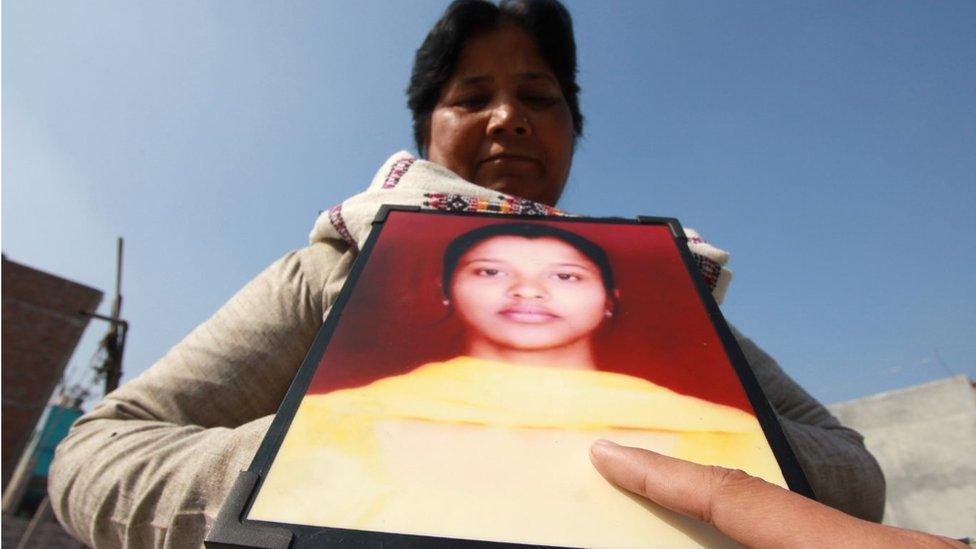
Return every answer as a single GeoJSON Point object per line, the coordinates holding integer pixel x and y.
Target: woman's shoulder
{"type": "Point", "coordinates": [315, 273]}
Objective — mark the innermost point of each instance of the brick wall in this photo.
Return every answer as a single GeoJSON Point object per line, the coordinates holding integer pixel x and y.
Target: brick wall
{"type": "Point", "coordinates": [41, 327]}
{"type": "Point", "coordinates": [50, 535]}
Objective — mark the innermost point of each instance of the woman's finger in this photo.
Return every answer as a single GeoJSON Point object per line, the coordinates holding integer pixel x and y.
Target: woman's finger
{"type": "Point", "coordinates": [679, 485]}
{"type": "Point", "coordinates": [745, 508]}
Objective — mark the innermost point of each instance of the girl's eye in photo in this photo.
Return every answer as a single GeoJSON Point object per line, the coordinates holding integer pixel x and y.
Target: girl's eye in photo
{"type": "Point", "coordinates": [569, 277]}
{"type": "Point", "coordinates": [488, 272]}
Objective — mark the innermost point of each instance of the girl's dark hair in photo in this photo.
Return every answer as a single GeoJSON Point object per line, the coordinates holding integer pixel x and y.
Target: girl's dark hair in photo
{"type": "Point", "coordinates": [547, 22]}
{"type": "Point", "coordinates": [460, 246]}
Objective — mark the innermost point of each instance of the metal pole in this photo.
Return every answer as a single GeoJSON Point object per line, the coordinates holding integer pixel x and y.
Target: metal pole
{"type": "Point", "coordinates": [16, 487]}
{"type": "Point", "coordinates": [118, 279]}
{"type": "Point", "coordinates": [41, 515]}
{"type": "Point", "coordinates": [115, 340]}
{"type": "Point", "coordinates": [13, 492]}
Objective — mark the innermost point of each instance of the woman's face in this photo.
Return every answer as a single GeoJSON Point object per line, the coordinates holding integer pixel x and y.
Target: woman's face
{"type": "Point", "coordinates": [528, 294]}
{"type": "Point", "coordinates": [502, 121]}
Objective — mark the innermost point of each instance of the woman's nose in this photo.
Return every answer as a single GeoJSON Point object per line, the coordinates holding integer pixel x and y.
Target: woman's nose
{"type": "Point", "coordinates": [526, 289]}
{"type": "Point", "coordinates": [508, 118]}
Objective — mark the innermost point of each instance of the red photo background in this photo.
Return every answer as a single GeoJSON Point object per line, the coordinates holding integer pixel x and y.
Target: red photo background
{"type": "Point", "coordinates": [395, 320]}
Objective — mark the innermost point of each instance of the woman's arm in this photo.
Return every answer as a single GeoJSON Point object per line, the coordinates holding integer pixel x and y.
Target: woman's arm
{"type": "Point", "coordinates": [152, 463]}
{"type": "Point", "coordinates": [841, 471]}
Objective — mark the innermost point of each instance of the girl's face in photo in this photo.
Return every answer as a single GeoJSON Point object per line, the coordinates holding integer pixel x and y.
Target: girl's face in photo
{"type": "Point", "coordinates": [528, 294]}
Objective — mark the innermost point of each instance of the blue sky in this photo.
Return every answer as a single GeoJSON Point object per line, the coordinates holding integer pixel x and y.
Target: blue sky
{"type": "Point", "coordinates": [829, 146]}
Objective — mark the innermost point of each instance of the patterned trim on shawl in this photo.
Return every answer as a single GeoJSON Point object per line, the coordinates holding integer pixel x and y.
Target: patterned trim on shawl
{"type": "Point", "coordinates": [335, 217]}
{"type": "Point", "coordinates": [399, 168]}
{"type": "Point", "coordinates": [503, 204]}
{"type": "Point", "coordinates": [709, 268]}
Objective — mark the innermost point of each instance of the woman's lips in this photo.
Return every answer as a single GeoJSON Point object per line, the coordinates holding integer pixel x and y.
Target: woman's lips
{"type": "Point", "coordinates": [509, 159]}
{"type": "Point", "coordinates": [528, 315]}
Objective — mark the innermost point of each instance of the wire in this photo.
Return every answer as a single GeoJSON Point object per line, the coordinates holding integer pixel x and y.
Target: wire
{"type": "Point", "coordinates": [74, 386]}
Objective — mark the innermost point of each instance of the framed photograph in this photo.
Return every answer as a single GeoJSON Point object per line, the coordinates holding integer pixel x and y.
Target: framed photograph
{"type": "Point", "coordinates": [452, 394]}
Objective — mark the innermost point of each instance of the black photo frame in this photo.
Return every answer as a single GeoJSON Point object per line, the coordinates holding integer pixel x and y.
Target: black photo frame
{"type": "Point", "coordinates": [235, 528]}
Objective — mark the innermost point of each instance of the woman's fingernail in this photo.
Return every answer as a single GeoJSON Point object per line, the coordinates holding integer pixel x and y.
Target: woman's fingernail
{"type": "Point", "coordinates": [606, 443]}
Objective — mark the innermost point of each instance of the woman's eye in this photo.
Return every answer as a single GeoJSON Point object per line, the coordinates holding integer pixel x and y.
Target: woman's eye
{"type": "Point", "coordinates": [570, 277]}
{"type": "Point", "coordinates": [473, 102]}
{"type": "Point", "coordinates": [540, 101]}
{"type": "Point", "coordinates": [488, 272]}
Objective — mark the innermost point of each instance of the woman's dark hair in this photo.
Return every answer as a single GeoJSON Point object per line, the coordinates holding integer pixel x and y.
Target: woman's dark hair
{"type": "Point", "coordinates": [460, 246]}
{"type": "Point", "coordinates": [547, 22]}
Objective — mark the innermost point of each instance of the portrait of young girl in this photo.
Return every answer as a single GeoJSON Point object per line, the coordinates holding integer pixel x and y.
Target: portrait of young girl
{"type": "Point", "coordinates": [475, 362]}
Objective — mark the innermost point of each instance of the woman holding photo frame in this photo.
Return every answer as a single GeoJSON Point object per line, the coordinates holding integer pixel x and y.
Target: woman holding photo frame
{"type": "Point", "coordinates": [494, 100]}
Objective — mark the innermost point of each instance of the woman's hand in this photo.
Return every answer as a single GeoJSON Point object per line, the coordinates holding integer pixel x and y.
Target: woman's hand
{"type": "Point", "coordinates": [749, 510]}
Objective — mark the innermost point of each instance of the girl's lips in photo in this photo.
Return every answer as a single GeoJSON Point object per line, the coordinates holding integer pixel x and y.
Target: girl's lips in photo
{"type": "Point", "coordinates": [528, 314]}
